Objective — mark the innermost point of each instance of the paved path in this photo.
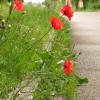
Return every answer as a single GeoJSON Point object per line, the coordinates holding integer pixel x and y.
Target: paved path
{"type": "Point", "coordinates": [86, 35]}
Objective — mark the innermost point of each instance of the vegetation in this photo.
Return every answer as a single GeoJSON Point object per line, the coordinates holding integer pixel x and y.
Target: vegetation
{"type": "Point", "coordinates": [19, 54]}
{"type": "Point", "coordinates": [92, 4]}
{"type": "Point", "coordinates": [88, 4]}
{"type": "Point", "coordinates": [23, 51]}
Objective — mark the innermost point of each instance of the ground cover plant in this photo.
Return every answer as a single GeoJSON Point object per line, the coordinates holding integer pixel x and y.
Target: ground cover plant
{"type": "Point", "coordinates": [26, 46]}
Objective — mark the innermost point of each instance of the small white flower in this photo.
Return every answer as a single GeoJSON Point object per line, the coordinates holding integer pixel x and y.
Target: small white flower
{"type": "Point", "coordinates": [9, 26]}
{"type": "Point", "coordinates": [33, 39]}
{"type": "Point", "coordinates": [53, 93]}
{"type": "Point", "coordinates": [3, 21]}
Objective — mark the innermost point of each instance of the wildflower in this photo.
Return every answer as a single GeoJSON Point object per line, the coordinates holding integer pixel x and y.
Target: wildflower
{"type": "Point", "coordinates": [19, 5]}
{"type": "Point", "coordinates": [68, 67]}
{"type": "Point", "coordinates": [56, 23]}
{"type": "Point", "coordinates": [3, 21]}
{"type": "Point", "coordinates": [9, 26]}
{"type": "Point", "coordinates": [67, 11]}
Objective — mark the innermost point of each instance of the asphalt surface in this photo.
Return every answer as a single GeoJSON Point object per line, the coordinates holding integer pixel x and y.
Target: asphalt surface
{"type": "Point", "coordinates": [86, 35]}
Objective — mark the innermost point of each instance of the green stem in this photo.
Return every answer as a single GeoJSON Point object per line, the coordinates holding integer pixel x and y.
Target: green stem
{"type": "Point", "coordinates": [37, 41]}
{"type": "Point", "coordinates": [10, 10]}
{"type": "Point", "coordinates": [43, 35]}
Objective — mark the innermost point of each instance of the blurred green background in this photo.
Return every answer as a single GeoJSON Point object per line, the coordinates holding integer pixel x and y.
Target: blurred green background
{"type": "Point", "coordinates": [88, 4]}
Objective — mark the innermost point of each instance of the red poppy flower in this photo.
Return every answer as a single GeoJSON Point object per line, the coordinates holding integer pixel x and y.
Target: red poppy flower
{"type": "Point", "coordinates": [56, 23]}
{"type": "Point", "coordinates": [68, 67]}
{"type": "Point", "coordinates": [19, 5]}
{"type": "Point", "coordinates": [67, 11]}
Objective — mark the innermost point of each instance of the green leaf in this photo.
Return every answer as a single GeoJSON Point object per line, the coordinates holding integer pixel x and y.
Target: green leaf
{"type": "Point", "coordinates": [81, 80]}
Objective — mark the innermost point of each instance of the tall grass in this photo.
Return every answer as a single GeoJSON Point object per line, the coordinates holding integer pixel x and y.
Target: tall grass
{"type": "Point", "coordinates": [22, 53]}
{"type": "Point", "coordinates": [18, 52]}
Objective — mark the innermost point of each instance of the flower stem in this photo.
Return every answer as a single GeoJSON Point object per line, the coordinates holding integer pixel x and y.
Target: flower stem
{"type": "Point", "coordinates": [10, 10]}
{"type": "Point", "coordinates": [39, 39]}
{"type": "Point", "coordinates": [43, 35]}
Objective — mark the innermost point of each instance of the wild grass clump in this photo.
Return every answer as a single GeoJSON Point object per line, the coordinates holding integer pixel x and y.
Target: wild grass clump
{"type": "Point", "coordinates": [22, 53]}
